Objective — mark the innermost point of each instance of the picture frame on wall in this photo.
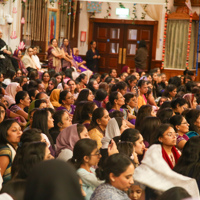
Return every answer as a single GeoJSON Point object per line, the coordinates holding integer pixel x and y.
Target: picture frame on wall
{"type": "Point", "coordinates": [52, 25]}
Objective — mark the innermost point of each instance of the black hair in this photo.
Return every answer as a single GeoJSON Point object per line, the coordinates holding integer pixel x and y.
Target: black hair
{"type": "Point", "coordinates": [143, 44]}
{"type": "Point", "coordinates": [40, 121]}
{"type": "Point", "coordinates": [46, 72]}
{"type": "Point", "coordinates": [101, 94]}
{"type": "Point", "coordinates": [92, 42]}
{"type": "Point", "coordinates": [31, 93]}
{"type": "Point", "coordinates": [191, 117]}
{"type": "Point", "coordinates": [130, 79]}
{"type": "Point", "coordinates": [68, 73]}
{"type": "Point", "coordinates": [32, 154]}
{"type": "Point", "coordinates": [130, 135]}
{"type": "Point", "coordinates": [20, 96]}
{"type": "Point", "coordinates": [128, 96]}
{"type": "Point", "coordinates": [51, 41]}
{"type": "Point", "coordinates": [31, 135]}
{"type": "Point", "coordinates": [80, 77]}
{"type": "Point", "coordinates": [10, 74]}
{"type": "Point", "coordinates": [83, 96]}
{"type": "Point", "coordinates": [175, 81]}
{"type": "Point", "coordinates": [189, 162]}
{"type": "Point", "coordinates": [33, 74]}
{"type": "Point", "coordinates": [168, 89]}
{"type": "Point", "coordinates": [90, 85]}
{"type": "Point", "coordinates": [116, 113]}
{"type": "Point", "coordinates": [62, 96]}
{"type": "Point", "coordinates": [80, 128]}
{"type": "Point", "coordinates": [82, 148]}
{"type": "Point", "coordinates": [15, 189]}
{"type": "Point", "coordinates": [119, 121]}
{"type": "Point", "coordinates": [4, 126]}
{"type": "Point", "coordinates": [103, 76]}
{"type": "Point", "coordinates": [87, 109]}
{"type": "Point", "coordinates": [176, 120]}
{"type": "Point", "coordinates": [113, 96]}
{"type": "Point", "coordinates": [166, 104]}
{"type": "Point", "coordinates": [149, 128]}
{"type": "Point", "coordinates": [39, 94]}
{"type": "Point", "coordinates": [119, 86]}
{"type": "Point", "coordinates": [95, 76]}
{"type": "Point", "coordinates": [165, 114]}
{"type": "Point", "coordinates": [97, 114]}
{"type": "Point", "coordinates": [32, 84]}
{"type": "Point", "coordinates": [51, 72]}
{"type": "Point", "coordinates": [125, 148]}
{"type": "Point", "coordinates": [108, 79]}
{"type": "Point", "coordinates": [175, 193]}
{"type": "Point", "coordinates": [160, 131]}
{"type": "Point", "coordinates": [116, 164]}
{"type": "Point", "coordinates": [178, 102]}
{"type": "Point", "coordinates": [38, 102]}
{"type": "Point", "coordinates": [143, 112]}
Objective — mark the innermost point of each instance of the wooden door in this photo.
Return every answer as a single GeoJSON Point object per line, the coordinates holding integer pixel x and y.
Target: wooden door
{"type": "Point", "coordinates": [132, 36]}
{"type": "Point", "coordinates": [117, 42]}
{"type": "Point", "coordinates": [109, 38]}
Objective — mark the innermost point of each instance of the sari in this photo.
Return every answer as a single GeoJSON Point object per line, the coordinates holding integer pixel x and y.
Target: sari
{"type": "Point", "coordinates": [19, 61]}
{"type": "Point", "coordinates": [53, 62]}
{"type": "Point", "coordinates": [28, 61]}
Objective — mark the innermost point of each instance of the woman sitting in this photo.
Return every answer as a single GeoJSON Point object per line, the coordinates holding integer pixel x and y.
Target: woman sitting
{"type": "Point", "coordinates": [66, 101]}
{"type": "Point", "coordinates": [22, 100]}
{"type": "Point", "coordinates": [181, 127]}
{"type": "Point", "coordinates": [166, 137]}
{"type": "Point", "coordinates": [9, 138]}
{"type": "Point", "coordinates": [118, 175]}
{"type": "Point", "coordinates": [85, 156]}
{"type": "Point", "coordinates": [67, 138]}
{"type": "Point", "coordinates": [100, 119]}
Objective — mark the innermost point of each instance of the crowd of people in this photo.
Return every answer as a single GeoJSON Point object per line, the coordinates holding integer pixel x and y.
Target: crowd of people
{"type": "Point", "coordinates": [67, 134]}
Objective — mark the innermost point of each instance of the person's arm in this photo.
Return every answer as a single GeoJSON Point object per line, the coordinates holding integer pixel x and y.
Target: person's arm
{"type": "Point", "coordinates": [181, 144]}
{"type": "Point", "coordinates": [4, 162]}
{"type": "Point", "coordinates": [23, 114]}
{"type": "Point", "coordinates": [151, 100]}
{"type": "Point", "coordinates": [57, 55]}
{"type": "Point", "coordinates": [129, 124]}
{"type": "Point", "coordinates": [130, 117]}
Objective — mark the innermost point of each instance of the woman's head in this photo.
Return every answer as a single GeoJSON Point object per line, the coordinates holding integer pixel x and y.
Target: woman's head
{"type": "Point", "coordinates": [165, 114]}
{"type": "Point", "coordinates": [191, 100]}
{"type": "Point", "coordinates": [10, 132]}
{"type": "Point", "coordinates": [134, 136]}
{"type": "Point", "coordinates": [72, 85]}
{"type": "Point", "coordinates": [22, 98]}
{"type": "Point", "coordinates": [85, 95]}
{"type": "Point", "coordinates": [149, 128]}
{"type": "Point", "coordinates": [82, 79]}
{"type": "Point", "coordinates": [116, 98]}
{"type": "Point", "coordinates": [2, 112]}
{"type": "Point", "coordinates": [130, 100]}
{"type": "Point", "coordinates": [131, 81]}
{"type": "Point", "coordinates": [120, 87]}
{"type": "Point", "coordinates": [87, 111]}
{"type": "Point", "coordinates": [166, 135]}
{"type": "Point", "coordinates": [66, 98]}
{"type": "Point", "coordinates": [46, 77]}
{"type": "Point", "coordinates": [180, 124]}
{"type": "Point", "coordinates": [142, 85]}
{"type": "Point", "coordinates": [93, 85]}
{"type": "Point", "coordinates": [113, 73]}
{"type": "Point", "coordinates": [100, 117]}
{"type": "Point", "coordinates": [170, 91]}
{"type": "Point", "coordinates": [54, 42]}
{"type": "Point", "coordinates": [58, 77]}
{"type": "Point", "coordinates": [193, 118]}
{"type": "Point", "coordinates": [19, 73]}
{"type": "Point", "coordinates": [179, 105]}
{"type": "Point", "coordinates": [85, 152]}
{"type": "Point", "coordinates": [101, 94]}
{"type": "Point", "coordinates": [33, 75]}
{"type": "Point", "coordinates": [118, 171]}
{"type": "Point", "coordinates": [61, 120]}
{"type": "Point", "coordinates": [52, 84]}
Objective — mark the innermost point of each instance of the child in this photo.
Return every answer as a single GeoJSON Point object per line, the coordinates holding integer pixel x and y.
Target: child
{"type": "Point", "coordinates": [135, 192]}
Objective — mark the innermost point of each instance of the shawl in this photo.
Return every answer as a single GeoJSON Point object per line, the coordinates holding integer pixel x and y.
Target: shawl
{"type": "Point", "coordinates": [56, 61]}
{"type": "Point", "coordinates": [28, 61]}
{"type": "Point", "coordinates": [20, 63]}
{"type": "Point", "coordinates": [67, 138]}
{"type": "Point", "coordinates": [11, 92]}
{"type": "Point", "coordinates": [155, 173]}
{"type": "Point", "coordinates": [54, 97]}
{"type": "Point", "coordinates": [112, 130]}
{"type": "Point", "coordinates": [167, 159]}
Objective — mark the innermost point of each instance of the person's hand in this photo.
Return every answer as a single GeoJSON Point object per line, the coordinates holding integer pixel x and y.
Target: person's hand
{"type": "Point", "coordinates": [95, 56]}
{"type": "Point", "coordinates": [98, 57]}
{"type": "Point", "coordinates": [112, 148]}
{"type": "Point", "coordinates": [84, 62]}
{"type": "Point", "coordinates": [78, 70]}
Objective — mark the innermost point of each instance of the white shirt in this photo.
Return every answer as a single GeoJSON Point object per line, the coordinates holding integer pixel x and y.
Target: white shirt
{"type": "Point", "coordinates": [37, 61]}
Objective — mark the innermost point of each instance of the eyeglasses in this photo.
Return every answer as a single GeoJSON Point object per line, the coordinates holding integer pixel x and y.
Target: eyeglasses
{"type": "Point", "coordinates": [185, 123]}
{"type": "Point", "coordinates": [172, 134]}
{"type": "Point", "coordinates": [96, 154]}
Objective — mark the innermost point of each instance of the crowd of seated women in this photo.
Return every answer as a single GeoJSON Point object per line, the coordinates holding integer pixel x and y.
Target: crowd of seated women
{"type": "Point", "coordinates": [89, 136]}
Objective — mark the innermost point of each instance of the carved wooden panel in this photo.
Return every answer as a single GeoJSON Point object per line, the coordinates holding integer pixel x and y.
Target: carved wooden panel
{"type": "Point", "coordinates": [182, 2]}
{"type": "Point", "coordinates": [145, 35]}
{"type": "Point", "coordinates": [102, 33]}
{"type": "Point", "coordinates": [113, 62]}
{"type": "Point", "coordinates": [102, 61]}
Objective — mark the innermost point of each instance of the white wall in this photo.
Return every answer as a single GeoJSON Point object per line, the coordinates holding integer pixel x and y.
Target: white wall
{"type": "Point", "coordinates": [7, 29]}
{"type": "Point", "coordinates": [84, 23]}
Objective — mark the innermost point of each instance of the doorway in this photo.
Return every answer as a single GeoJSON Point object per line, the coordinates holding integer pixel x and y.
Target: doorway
{"type": "Point", "coordinates": [117, 42]}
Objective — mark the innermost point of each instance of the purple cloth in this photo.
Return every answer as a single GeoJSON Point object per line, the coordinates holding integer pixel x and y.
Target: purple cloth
{"type": "Point", "coordinates": [180, 138]}
{"type": "Point", "coordinates": [71, 111]}
{"type": "Point", "coordinates": [79, 60]}
{"type": "Point", "coordinates": [87, 125]}
{"type": "Point", "coordinates": [98, 103]}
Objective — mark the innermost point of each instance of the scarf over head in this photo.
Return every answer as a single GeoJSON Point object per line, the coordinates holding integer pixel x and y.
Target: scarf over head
{"type": "Point", "coordinates": [67, 138]}
{"type": "Point", "coordinates": [54, 98]}
{"type": "Point", "coordinates": [28, 61]}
